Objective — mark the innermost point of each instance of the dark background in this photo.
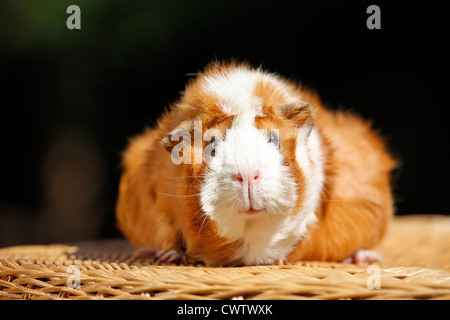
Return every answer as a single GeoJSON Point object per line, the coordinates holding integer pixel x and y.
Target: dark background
{"type": "Point", "coordinates": [71, 98]}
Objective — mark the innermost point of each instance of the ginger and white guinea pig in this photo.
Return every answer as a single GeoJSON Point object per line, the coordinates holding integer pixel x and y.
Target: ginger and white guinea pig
{"type": "Point", "coordinates": [248, 168]}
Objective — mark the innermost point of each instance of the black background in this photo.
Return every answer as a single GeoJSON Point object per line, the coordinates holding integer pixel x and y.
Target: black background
{"type": "Point", "coordinates": [71, 98]}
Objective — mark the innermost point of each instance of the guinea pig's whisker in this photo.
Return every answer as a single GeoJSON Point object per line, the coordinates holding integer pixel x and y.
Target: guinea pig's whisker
{"type": "Point", "coordinates": [276, 215]}
{"type": "Point", "coordinates": [277, 208]}
{"type": "Point", "coordinates": [183, 186]}
{"type": "Point", "coordinates": [234, 203]}
{"type": "Point", "coordinates": [190, 220]}
{"type": "Point", "coordinates": [203, 224]}
{"type": "Point", "coordinates": [178, 195]}
{"type": "Point", "coordinates": [184, 177]}
{"type": "Point", "coordinates": [154, 124]}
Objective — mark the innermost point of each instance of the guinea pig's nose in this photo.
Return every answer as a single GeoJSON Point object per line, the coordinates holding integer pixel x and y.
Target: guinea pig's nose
{"type": "Point", "coordinates": [250, 177]}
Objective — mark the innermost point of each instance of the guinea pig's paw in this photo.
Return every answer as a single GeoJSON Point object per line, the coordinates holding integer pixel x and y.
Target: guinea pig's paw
{"type": "Point", "coordinates": [144, 253]}
{"type": "Point", "coordinates": [171, 257]}
{"type": "Point", "coordinates": [280, 262]}
{"type": "Point", "coordinates": [363, 256]}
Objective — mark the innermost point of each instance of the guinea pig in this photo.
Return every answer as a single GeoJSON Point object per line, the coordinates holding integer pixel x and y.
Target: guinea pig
{"type": "Point", "coordinates": [248, 168]}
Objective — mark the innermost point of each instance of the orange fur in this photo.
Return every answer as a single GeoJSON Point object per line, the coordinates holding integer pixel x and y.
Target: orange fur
{"type": "Point", "coordinates": [357, 202]}
{"type": "Point", "coordinates": [158, 204]}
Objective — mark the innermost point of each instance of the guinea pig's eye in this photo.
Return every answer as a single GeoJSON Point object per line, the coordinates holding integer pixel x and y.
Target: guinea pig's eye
{"type": "Point", "coordinates": [213, 148]}
{"type": "Point", "coordinates": [274, 138]}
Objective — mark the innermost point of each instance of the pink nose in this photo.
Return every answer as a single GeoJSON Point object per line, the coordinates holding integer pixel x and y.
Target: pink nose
{"type": "Point", "coordinates": [250, 177]}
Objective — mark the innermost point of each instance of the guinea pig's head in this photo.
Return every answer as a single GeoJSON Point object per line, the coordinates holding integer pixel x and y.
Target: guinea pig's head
{"type": "Point", "coordinates": [248, 135]}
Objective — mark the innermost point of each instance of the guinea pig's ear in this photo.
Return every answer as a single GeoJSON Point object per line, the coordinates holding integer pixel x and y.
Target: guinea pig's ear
{"type": "Point", "coordinates": [184, 129]}
{"type": "Point", "coordinates": [300, 113]}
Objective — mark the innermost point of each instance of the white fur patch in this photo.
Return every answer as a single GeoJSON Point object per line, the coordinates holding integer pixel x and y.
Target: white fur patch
{"type": "Point", "coordinates": [246, 147]}
{"type": "Point", "coordinates": [309, 156]}
{"type": "Point", "coordinates": [234, 88]}
{"type": "Point", "coordinates": [271, 234]}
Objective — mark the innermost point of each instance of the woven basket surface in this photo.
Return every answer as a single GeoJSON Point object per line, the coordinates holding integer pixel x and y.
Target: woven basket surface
{"type": "Point", "coordinates": [416, 252]}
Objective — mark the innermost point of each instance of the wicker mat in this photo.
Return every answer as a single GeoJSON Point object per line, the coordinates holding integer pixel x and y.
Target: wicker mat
{"type": "Point", "coordinates": [416, 252]}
